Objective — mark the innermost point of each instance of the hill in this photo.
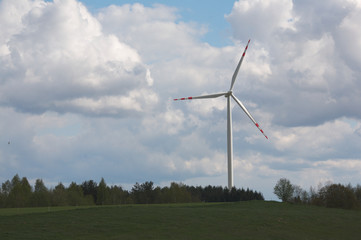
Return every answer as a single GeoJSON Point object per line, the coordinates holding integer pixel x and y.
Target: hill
{"type": "Point", "coordinates": [241, 220]}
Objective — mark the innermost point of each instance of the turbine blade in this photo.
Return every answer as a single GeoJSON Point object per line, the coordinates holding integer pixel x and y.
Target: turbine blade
{"type": "Point", "coordinates": [248, 114]}
{"type": "Point", "coordinates": [203, 96]}
{"type": "Point", "coordinates": [238, 66]}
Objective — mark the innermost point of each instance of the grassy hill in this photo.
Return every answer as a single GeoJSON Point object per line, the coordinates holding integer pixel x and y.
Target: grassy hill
{"type": "Point", "coordinates": [241, 220]}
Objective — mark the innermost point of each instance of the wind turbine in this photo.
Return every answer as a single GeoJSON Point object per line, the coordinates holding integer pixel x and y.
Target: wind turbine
{"type": "Point", "coordinates": [228, 95]}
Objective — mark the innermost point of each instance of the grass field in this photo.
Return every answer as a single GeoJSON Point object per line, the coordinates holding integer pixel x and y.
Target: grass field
{"type": "Point", "coordinates": [242, 220]}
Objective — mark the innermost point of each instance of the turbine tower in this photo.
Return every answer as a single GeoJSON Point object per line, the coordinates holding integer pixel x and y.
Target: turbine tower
{"type": "Point", "coordinates": [228, 95]}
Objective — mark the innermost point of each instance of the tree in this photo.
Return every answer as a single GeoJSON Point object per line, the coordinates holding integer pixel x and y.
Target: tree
{"type": "Point", "coordinates": [102, 193]}
{"type": "Point", "coordinates": [4, 193]}
{"type": "Point", "coordinates": [90, 188]}
{"type": "Point", "coordinates": [297, 194]}
{"type": "Point", "coordinates": [15, 181]}
{"type": "Point", "coordinates": [59, 195]}
{"type": "Point", "coordinates": [6, 188]}
{"type": "Point", "coordinates": [75, 196]}
{"type": "Point", "coordinates": [20, 192]}
{"type": "Point", "coordinates": [143, 193]}
{"type": "Point", "coordinates": [338, 196]}
{"type": "Point", "coordinates": [284, 190]}
{"type": "Point", "coordinates": [178, 193]}
{"type": "Point", "coordinates": [41, 196]}
{"type": "Point", "coordinates": [117, 195]}
{"type": "Point", "coordinates": [357, 191]}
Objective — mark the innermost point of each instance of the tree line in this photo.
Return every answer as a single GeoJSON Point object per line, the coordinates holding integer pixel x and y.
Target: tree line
{"type": "Point", "coordinates": [330, 195]}
{"type": "Point", "coordinates": [18, 192]}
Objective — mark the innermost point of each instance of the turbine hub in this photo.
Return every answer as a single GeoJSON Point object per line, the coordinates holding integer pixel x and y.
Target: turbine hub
{"type": "Point", "coordinates": [229, 93]}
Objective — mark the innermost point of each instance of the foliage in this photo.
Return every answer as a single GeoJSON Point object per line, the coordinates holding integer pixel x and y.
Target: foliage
{"type": "Point", "coordinates": [59, 196]}
{"type": "Point", "coordinates": [284, 190]}
{"type": "Point", "coordinates": [102, 193]}
{"type": "Point", "coordinates": [143, 193]}
{"type": "Point", "coordinates": [357, 191]}
{"type": "Point", "coordinates": [330, 195]}
{"type": "Point", "coordinates": [90, 188]}
{"type": "Point", "coordinates": [41, 195]}
{"type": "Point", "coordinates": [338, 196]}
{"type": "Point", "coordinates": [19, 193]}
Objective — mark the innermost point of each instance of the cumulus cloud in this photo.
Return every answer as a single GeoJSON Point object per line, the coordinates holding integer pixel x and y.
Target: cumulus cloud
{"type": "Point", "coordinates": [90, 95]}
{"type": "Point", "coordinates": [312, 73]}
{"type": "Point", "coordinates": [135, 23]}
{"type": "Point", "coordinates": [331, 139]}
{"type": "Point", "coordinates": [168, 122]}
{"type": "Point", "coordinates": [311, 91]}
{"type": "Point", "coordinates": [57, 58]}
{"type": "Point", "coordinates": [260, 19]}
{"type": "Point", "coordinates": [348, 29]}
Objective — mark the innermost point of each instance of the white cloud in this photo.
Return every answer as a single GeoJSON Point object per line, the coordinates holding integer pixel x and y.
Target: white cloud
{"type": "Point", "coordinates": [260, 19]}
{"type": "Point", "coordinates": [326, 140]}
{"type": "Point", "coordinates": [60, 66]}
{"type": "Point", "coordinates": [349, 29]}
{"type": "Point", "coordinates": [207, 166]}
{"type": "Point", "coordinates": [314, 53]}
{"type": "Point", "coordinates": [169, 122]}
{"type": "Point", "coordinates": [312, 67]}
{"type": "Point", "coordinates": [158, 25]}
{"type": "Point", "coordinates": [60, 46]}
{"type": "Point", "coordinates": [341, 164]}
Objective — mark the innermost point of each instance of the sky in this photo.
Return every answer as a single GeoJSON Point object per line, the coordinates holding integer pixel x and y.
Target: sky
{"type": "Point", "coordinates": [87, 89]}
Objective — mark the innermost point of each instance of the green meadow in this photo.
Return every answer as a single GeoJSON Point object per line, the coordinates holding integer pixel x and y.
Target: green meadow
{"type": "Point", "coordinates": [240, 220]}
